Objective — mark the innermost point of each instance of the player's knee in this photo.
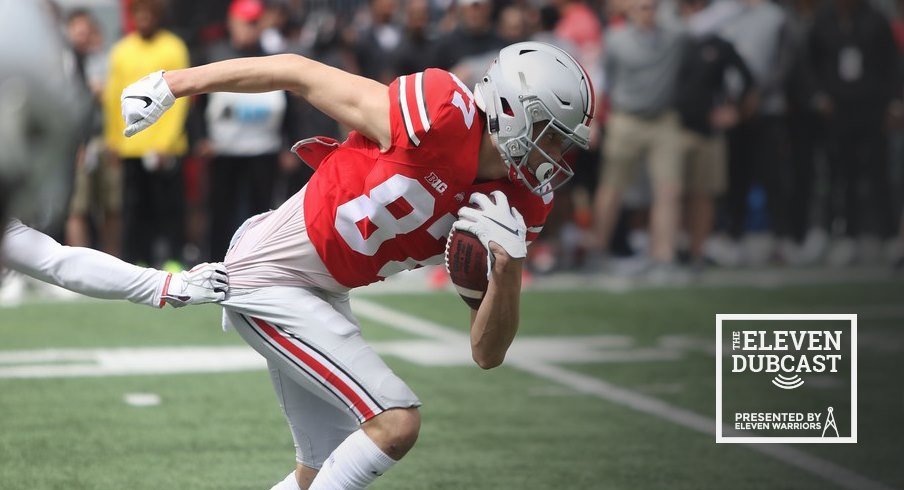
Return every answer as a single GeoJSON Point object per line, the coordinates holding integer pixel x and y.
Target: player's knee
{"type": "Point", "coordinates": [403, 427]}
{"type": "Point", "coordinates": [395, 430]}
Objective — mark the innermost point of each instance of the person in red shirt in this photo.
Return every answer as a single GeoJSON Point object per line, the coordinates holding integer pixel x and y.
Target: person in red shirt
{"type": "Point", "coordinates": [382, 201]}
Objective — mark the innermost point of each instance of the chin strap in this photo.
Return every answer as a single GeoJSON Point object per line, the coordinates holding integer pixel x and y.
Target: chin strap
{"type": "Point", "coordinates": [513, 175]}
{"type": "Point", "coordinates": [489, 106]}
{"type": "Point", "coordinates": [543, 171]}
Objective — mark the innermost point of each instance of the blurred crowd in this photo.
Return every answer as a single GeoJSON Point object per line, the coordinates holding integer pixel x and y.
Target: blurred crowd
{"type": "Point", "coordinates": [727, 132]}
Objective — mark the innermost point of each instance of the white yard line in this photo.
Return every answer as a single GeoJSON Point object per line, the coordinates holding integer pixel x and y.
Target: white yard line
{"type": "Point", "coordinates": [134, 361]}
{"type": "Point", "coordinates": [818, 467]}
{"type": "Point", "coordinates": [593, 386]}
{"type": "Point", "coordinates": [415, 281]}
{"type": "Point", "coordinates": [78, 363]}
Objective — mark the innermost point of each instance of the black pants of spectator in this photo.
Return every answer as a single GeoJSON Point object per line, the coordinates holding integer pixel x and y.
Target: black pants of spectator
{"type": "Point", "coordinates": [807, 137]}
{"type": "Point", "coordinates": [759, 152]}
{"type": "Point", "coordinates": [153, 211]}
{"type": "Point", "coordinates": [240, 187]}
{"type": "Point", "coordinates": [860, 178]}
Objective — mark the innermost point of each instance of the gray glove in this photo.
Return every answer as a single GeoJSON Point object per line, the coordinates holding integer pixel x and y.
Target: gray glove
{"type": "Point", "coordinates": [205, 283]}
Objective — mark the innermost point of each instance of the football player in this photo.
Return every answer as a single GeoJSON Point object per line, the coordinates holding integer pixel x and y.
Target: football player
{"type": "Point", "coordinates": [382, 201]}
{"type": "Point", "coordinates": [41, 108]}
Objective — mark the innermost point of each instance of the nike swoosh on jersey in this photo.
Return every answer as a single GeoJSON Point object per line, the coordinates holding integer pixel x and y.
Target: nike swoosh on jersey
{"type": "Point", "coordinates": [147, 100]}
{"type": "Point", "coordinates": [511, 230]}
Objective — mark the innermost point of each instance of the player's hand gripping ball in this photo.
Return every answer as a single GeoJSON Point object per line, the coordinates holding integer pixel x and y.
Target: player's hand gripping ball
{"type": "Point", "coordinates": [468, 257]}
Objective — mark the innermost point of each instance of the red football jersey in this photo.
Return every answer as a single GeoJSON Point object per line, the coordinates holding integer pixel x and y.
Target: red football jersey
{"type": "Point", "coordinates": [371, 214]}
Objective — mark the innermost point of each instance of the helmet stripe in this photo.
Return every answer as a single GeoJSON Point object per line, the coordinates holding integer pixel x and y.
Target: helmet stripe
{"type": "Point", "coordinates": [591, 96]}
{"type": "Point", "coordinates": [587, 85]}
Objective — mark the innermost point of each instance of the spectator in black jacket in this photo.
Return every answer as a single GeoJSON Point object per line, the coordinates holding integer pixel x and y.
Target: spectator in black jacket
{"type": "Point", "coordinates": [808, 205]}
{"type": "Point", "coordinates": [706, 108]}
{"type": "Point", "coordinates": [475, 35]}
{"type": "Point", "coordinates": [377, 46]}
{"type": "Point", "coordinates": [416, 51]}
{"type": "Point", "coordinates": [854, 59]}
{"type": "Point", "coordinates": [759, 146]}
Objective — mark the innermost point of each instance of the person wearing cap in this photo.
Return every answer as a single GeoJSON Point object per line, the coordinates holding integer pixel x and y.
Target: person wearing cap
{"type": "Point", "coordinates": [153, 201]}
{"type": "Point", "coordinates": [242, 134]}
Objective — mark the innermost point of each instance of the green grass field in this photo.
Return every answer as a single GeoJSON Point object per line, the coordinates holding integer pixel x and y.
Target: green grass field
{"type": "Point", "coordinates": [516, 427]}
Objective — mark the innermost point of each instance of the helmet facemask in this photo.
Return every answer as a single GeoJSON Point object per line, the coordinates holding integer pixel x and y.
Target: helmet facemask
{"type": "Point", "coordinates": [525, 157]}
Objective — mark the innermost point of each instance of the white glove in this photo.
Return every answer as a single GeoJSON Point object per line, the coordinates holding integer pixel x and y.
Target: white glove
{"type": "Point", "coordinates": [145, 101]}
{"type": "Point", "coordinates": [205, 283]}
{"type": "Point", "coordinates": [494, 222]}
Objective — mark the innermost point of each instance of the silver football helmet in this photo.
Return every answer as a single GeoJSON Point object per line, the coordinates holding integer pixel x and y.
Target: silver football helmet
{"type": "Point", "coordinates": [530, 83]}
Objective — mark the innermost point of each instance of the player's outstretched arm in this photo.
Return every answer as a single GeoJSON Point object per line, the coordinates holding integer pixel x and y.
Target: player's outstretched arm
{"type": "Point", "coordinates": [502, 231]}
{"type": "Point", "coordinates": [357, 102]}
{"type": "Point", "coordinates": [96, 274]}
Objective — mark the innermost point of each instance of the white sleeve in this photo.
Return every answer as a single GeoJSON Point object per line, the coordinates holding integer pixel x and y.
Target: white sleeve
{"type": "Point", "coordinates": [83, 270]}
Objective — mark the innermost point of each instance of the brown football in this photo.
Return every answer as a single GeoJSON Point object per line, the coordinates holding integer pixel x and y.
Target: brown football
{"type": "Point", "coordinates": [466, 261]}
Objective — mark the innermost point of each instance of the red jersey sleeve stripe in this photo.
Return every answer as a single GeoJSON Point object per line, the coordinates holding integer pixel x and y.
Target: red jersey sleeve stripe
{"type": "Point", "coordinates": [406, 113]}
{"type": "Point", "coordinates": [411, 97]}
{"type": "Point", "coordinates": [421, 104]}
{"type": "Point", "coordinates": [165, 290]}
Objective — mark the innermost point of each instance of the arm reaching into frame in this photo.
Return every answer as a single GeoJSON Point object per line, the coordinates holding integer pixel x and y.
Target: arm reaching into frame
{"type": "Point", "coordinates": [96, 274]}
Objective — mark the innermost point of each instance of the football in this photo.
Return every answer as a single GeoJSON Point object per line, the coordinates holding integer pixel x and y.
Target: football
{"type": "Point", "coordinates": [466, 261]}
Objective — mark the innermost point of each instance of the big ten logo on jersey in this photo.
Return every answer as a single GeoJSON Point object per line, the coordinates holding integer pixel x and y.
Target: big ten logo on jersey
{"type": "Point", "coordinates": [436, 182]}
